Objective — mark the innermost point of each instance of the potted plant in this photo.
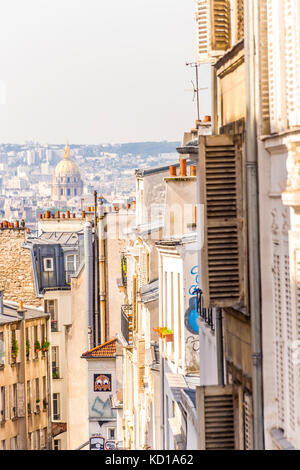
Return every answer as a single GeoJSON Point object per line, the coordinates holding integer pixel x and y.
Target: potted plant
{"type": "Point", "coordinates": [29, 408]}
{"type": "Point", "coordinates": [159, 330]}
{"type": "Point", "coordinates": [55, 374]}
{"type": "Point", "coordinates": [168, 335]}
{"type": "Point", "coordinates": [45, 346]}
{"type": "Point", "coordinates": [27, 348]}
{"type": "Point", "coordinates": [37, 347]}
{"type": "Point", "coordinates": [15, 349]}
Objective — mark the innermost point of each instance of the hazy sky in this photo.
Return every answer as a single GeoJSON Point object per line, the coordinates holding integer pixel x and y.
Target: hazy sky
{"type": "Point", "coordinates": [97, 70]}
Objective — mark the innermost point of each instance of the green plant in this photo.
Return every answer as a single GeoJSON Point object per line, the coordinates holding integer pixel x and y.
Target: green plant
{"type": "Point", "coordinates": [38, 400]}
{"type": "Point", "coordinates": [15, 348]}
{"type": "Point", "coordinates": [27, 347]}
{"type": "Point", "coordinates": [37, 346]}
{"type": "Point", "coordinates": [45, 345]}
{"type": "Point", "coordinates": [55, 375]}
{"type": "Point", "coordinates": [166, 331]}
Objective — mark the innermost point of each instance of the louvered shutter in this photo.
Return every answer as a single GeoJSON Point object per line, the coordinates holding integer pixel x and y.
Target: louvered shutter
{"type": "Point", "coordinates": [141, 364]}
{"type": "Point", "coordinates": [220, 17]}
{"type": "Point", "coordinates": [292, 62]}
{"type": "Point", "coordinates": [12, 401]}
{"type": "Point", "coordinates": [7, 403]}
{"type": "Point", "coordinates": [42, 438]}
{"type": "Point", "coordinates": [217, 418]}
{"type": "Point", "coordinates": [239, 19]}
{"type": "Point", "coordinates": [214, 30]}
{"type": "Point", "coordinates": [248, 422]}
{"type": "Point", "coordinates": [221, 193]}
{"type": "Point", "coordinates": [20, 400]}
{"type": "Point", "coordinates": [9, 344]}
{"type": "Point", "coordinates": [264, 68]}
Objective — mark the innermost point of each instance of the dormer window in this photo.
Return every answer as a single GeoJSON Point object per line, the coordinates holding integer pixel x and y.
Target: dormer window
{"type": "Point", "coordinates": [48, 264]}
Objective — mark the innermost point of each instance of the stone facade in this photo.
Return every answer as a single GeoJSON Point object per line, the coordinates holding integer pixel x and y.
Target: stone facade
{"type": "Point", "coordinates": [16, 271]}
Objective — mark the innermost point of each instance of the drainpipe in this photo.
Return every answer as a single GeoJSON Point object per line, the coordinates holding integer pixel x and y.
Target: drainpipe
{"type": "Point", "coordinates": [253, 226]}
{"type": "Point", "coordinates": [97, 333]}
{"type": "Point", "coordinates": [88, 281]}
{"type": "Point", "coordinates": [220, 354]}
{"type": "Point", "coordinates": [102, 275]}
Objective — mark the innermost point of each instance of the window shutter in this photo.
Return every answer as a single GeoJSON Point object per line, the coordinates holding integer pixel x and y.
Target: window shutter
{"type": "Point", "coordinates": [264, 68]}
{"type": "Point", "coordinates": [214, 32]}
{"type": "Point", "coordinates": [9, 341]}
{"type": "Point", "coordinates": [248, 422]}
{"type": "Point", "coordinates": [239, 19]}
{"type": "Point", "coordinates": [220, 17]}
{"type": "Point", "coordinates": [12, 401]}
{"type": "Point", "coordinates": [20, 400]}
{"type": "Point", "coordinates": [224, 244]}
{"type": "Point", "coordinates": [2, 352]}
{"type": "Point", "coordinates": [42, 438]}
{"type": "Point", "coordinates": [141, 364]}
{"type": "Point", "coordinates": [217, 418]}
{"type": "Point", "coordinates": [7, 403]}
{"type": "Point", "coordinates": [291, 8]}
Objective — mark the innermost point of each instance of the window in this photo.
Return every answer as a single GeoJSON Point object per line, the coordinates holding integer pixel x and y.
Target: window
{"type": "Point", "coordinates": [75, 191]}
{"type": "Point", "coordinates": [55, 362]}
{"type": "Point", "coordinates": [13, 404]}
{"type": "Point", "coordinates": [37, 395]}
{"type": "Point", "coordinates": [48, 264]}
{"type": "Point", "coordinates": [57, 444]}
{"type": "Point", "coordinates": [28, 397]}
{"type": "Point", "coordinates": [111, 434]}
{"type": "Point", "coordinates": [14, 443]}
{"type": "Point", "coordinates": [70, 266]}
{"type": "Point", "coordinates": [51, 307]}
{"type": "Point", "coordinates": [68, 192]}
{"type": "Point", "coordinates": [2, 404]}
{"type": "Point", "coordinates": [3, 445]}
{"type": "Point", "coordinates": [61, 192]}
{"type": "Point", "coordinates": [2, 349]}
{"type": "Point", "coordinates": [56, 406]}
{"type": "Point", "coordinates": [45, 403]}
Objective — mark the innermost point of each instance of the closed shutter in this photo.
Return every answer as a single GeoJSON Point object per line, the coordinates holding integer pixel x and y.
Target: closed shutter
{"type": "Point", "coordinates": [221, 192]}
{"type": "Point", "coordinates": [141, 364]}
{"type": "Point", "coordinates": [292, 62]}
{"type": "Point", "coordinates": [239, 19]}
{"type": "Point", "coordinates": [20, 400]}
{"type": "Point", "coordinates": [214, 30]}
{"type": "Point", "coordinates": [12, 402]}
{"type": "Point", "coordinates": [9, 345]}
{"type": "Point", "coordinates": [217, 418]}
{"type": "Point", "coordinates": [220, 32]}
{"type": "Point", "coordinates": [42, 438]}
{"type": "Point", "coordinates": [264, 68]}
{"type": "Point", "coordinates": [248, 422]}
{"type": "Point", "coordinates": [7, 417]}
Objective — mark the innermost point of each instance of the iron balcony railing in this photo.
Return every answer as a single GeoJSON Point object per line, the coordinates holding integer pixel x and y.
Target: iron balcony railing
{"type": "Point", "coordinates": [205, 313]}
{"type": "Point", "coordinates": [126, 322]}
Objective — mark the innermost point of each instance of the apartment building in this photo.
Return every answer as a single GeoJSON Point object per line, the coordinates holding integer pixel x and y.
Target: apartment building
{"type": "Point", "coordinates": [25, 407]}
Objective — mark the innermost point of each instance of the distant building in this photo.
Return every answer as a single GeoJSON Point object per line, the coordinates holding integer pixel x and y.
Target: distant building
{"type": "Point", "coordinates": [67, 181]}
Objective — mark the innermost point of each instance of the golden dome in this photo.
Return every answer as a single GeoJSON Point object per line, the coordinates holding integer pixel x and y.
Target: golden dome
{"type": "Point", "coordinates": [66, 167]}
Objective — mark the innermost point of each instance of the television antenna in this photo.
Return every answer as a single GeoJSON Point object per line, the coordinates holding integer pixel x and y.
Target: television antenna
{"type": "Point", "coordinates": [196, 88]}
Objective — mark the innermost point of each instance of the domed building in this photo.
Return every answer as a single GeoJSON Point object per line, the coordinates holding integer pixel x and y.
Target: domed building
{"type": "Point", "coordinates": [67, 182]}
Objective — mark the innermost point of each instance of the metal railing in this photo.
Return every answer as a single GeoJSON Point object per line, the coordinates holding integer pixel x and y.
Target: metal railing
{"type": "Point", "coordinates": [126, 322]}
{"type": "Point", "coordinates": [205, 313]}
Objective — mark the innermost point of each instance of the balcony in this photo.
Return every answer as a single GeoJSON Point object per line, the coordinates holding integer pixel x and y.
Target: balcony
{"type": "Point", "coordinates": [206, 314]}
{"type": "Point", "coordinates": [126, 323]}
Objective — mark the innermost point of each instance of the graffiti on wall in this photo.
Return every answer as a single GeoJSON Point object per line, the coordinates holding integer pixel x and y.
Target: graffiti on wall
{"type": "Point", "coordinates": [103, 408]}
{"type": "Point", "coordinates": [191, 314]}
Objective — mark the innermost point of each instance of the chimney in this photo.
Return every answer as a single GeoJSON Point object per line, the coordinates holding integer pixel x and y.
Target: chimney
{"type": "Point", "coordinates": [193, 170]}
{"type": "Point", "coordinates": [58, 214]}
{"type": "Point", "coordinates": [17, 224]}
{"type": "Point", "coordinates": [21, 310]}
{"type": "Point", "coordinates": [73, 216]}
{"type": "Point", "coordinates": [182, 167]}
{"type": "Point", "coordinates": [1, 303]}
{"type": "Point", "coordinates": [63, 216]}
{"type": "Point", "coordinates": [83, 214]}
{"type": "Point", "coordinates": [207, 119]}
{"type": "Point", "coordinates": [68, 214]}
{"type": "Point", "coordinates": [172, 170]}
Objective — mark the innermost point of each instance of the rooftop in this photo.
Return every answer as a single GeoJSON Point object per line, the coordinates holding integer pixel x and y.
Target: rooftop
{"type": "Point", "coordinates": [107, 349]}
{"type": "Point", "coordinates": [11, 314]}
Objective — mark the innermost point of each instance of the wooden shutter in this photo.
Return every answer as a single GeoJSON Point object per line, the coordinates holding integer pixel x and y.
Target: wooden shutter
{"type": "Point", "coordinates": [221, 193]}
{"type": "Point", "coordinates": [141, 364]}
{"type": "Point", "coordinates": [7, 403]}
{"type": "Point", "coordinates": [217, 418]}
{"type": "Point", "coordinates": [248, 422]}
{"type": "Point", "coordinates": [20, 400]}
{"type": "Point", "coordinates": [42, 438]}
{"type": "Point", "coordinates": [220, 22]}
{"type": "Point", "coordinates": [18, 339]}
{"type": "Point", "coordinates": [214, 30]}
{"type": "Point", "coordinates": [12, 401]}
{"type": "Point", "coordinates": [264, 68]}
{"type": "Point", "coordinates": [239, 19]}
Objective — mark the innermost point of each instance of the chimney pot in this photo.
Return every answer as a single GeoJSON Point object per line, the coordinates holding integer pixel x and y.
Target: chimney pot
{"type": "Point", "coordinates": [58, 214]}
{"type": "Point", "coordinates": [73, 216]}
{"type": "Point", "coordinates": [68, 214]}
{"type": "Point", "coordinates": [207, 118]}
{"type": "Point", "coordinates": [89, 209]}
{"type": "Point", "coordinates": [172, 170]}
{"type": "Point", "coordinates": [182, 167]}
{"type": "Point", "coordinates": [63, 216]}
{"type": "Point", "coordinates": [193, 170]}
{"type": "Point", "coordinates": [83, 214]}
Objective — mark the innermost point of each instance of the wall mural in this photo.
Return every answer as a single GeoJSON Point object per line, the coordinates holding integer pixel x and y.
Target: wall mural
{"type": "Point", "coordinates": [102, 383]}
{"type": "Point", "coordinates": [191, 317]}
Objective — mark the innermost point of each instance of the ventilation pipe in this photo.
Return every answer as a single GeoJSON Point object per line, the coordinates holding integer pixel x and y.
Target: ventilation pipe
{"type": "Point", "coordinates": [88, 254]}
